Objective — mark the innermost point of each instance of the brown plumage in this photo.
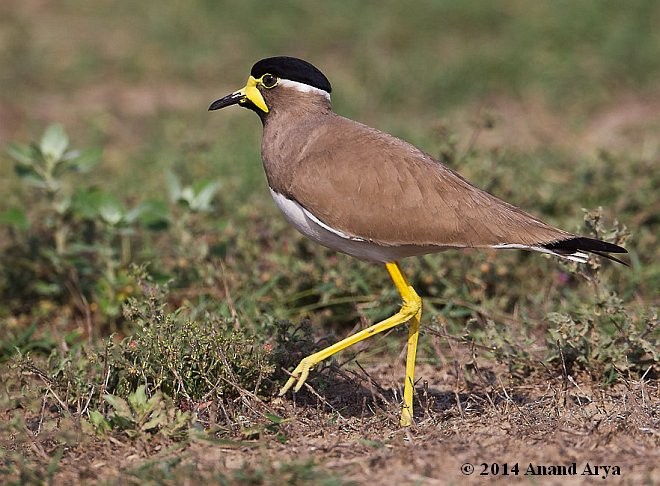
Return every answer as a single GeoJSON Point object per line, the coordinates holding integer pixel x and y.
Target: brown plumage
{"type": "Point", "coordinates": [371, 195]}
{"type": "Point", "coordinates": [371, 185]}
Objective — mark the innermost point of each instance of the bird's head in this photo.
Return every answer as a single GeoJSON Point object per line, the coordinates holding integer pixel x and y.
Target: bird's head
{"type": "Point", "coordinates": [276, 80]}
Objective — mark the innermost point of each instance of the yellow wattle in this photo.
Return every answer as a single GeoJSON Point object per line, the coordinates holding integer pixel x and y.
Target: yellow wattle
{"type": "Point", "coordinates": [254, 95]}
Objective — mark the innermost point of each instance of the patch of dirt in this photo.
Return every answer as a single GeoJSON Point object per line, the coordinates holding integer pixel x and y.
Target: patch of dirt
{"type": "Point", "coordinates": [630, 122]}
{"type": "Point", "coordinates": [351, 431]}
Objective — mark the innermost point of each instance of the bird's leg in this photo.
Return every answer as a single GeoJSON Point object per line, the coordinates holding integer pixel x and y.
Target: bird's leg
{"type": "Point", "coordinates": [413, 335]}
{"type": "Point", "coordinates": [411, 310]}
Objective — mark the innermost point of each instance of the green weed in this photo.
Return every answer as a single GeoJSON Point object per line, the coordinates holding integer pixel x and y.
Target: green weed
{"type": "Point", "coordinates": [169, 354]}
{"type": "Point", "coordinates": [190, 359]}
{"type": "Point", "coordinates": [71, 246]}
{"type": "Point", "coordinates": [139, 414]}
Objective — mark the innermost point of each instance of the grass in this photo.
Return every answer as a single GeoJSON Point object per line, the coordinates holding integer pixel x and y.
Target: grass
{"type": "Point", "coordinates": [151, 295]}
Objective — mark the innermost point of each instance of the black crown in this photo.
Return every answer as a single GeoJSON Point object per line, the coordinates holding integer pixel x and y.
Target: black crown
{"type": "Point", "coordinates": [292, 69]}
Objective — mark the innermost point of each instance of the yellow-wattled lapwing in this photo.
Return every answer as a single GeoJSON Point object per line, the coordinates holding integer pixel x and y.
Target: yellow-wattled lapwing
{"type": "Point", "coordinates": [363, 192]}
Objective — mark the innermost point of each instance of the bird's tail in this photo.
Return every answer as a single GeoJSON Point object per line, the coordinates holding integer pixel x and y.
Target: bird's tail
{"type": "Point", "coordinates": [574, 249]}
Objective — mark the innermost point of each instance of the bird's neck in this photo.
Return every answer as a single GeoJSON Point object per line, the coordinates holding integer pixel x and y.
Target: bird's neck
{"type": "Point", "coordinates": [287, 138]}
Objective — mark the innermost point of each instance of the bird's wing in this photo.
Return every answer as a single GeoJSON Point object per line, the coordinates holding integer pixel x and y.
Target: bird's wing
{"type": "Point", "coordinates": [374, 186]}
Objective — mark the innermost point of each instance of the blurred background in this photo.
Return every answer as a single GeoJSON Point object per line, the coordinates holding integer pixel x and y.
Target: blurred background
{"type": "Point", "coordinates": [554, 106]}
{"type": "Point", "coordinates": [136, 79]}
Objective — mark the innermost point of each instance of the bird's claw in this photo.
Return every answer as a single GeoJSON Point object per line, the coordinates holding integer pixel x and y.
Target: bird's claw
{"type": "Point", "coordinates": [298, 376]}
{"type": "Point", "coordinates": [406, 417]}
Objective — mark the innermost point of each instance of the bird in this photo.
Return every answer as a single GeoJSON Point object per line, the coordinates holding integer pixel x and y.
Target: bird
{"type": "Point", "coordinates": [371, 195]}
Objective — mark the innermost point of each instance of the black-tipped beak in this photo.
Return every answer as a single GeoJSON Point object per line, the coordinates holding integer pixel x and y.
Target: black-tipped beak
{"type": "Point", "coordinates": [228, 100]}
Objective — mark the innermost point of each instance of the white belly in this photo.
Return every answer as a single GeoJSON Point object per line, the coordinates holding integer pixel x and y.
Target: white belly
{"type": "Point", "coordinates": [314, 229]}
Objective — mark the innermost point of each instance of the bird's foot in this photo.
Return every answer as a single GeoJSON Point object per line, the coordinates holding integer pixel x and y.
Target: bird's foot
{"type": "Point", "coordinates": [298, 376]}
{"type": "Point", "coordinates": [406, 419]}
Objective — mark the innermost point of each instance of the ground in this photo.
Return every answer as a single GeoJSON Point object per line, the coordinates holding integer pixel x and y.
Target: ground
{"type": "Point", "coordinates": [541, 422]}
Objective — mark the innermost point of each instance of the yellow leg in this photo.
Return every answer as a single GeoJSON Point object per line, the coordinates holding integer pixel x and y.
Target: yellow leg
{"type": "Point", "coordinates": [409, 384]}
{"type": "Point", "coordinates": [411, 310]}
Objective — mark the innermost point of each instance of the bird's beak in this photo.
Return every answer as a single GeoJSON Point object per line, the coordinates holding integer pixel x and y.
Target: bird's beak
{"type": "Point", "coordinates": [248, 93]}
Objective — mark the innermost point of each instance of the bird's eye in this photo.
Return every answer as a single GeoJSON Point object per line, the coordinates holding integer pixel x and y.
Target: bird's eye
{"type": "Point", "coordinates": [268, 80]}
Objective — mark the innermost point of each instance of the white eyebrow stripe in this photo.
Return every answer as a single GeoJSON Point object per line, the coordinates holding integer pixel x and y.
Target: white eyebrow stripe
{"type": "Point", "coordinates": [305, 88]}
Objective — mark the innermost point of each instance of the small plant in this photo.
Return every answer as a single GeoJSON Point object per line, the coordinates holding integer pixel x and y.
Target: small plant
{"type": "Point", "coordinates": [273, 427]}
{"type": "Point", "coordinates": [141, 414]}
{"type": "Point", "coordinates": [150, 381]}
{"type": "Point", "coordinates": [189, 359]}
{"type": "Point", "coordinates": [70, 244]}
{"type": "Point", "coordinates": [605, 340]}
{"type": "Point", "coordinates": [44, 164]}
{"type": "Point", "coordinates": [196, 197]}
{"type": "Point", "coordinates": [511, 349]}
{"type": "Point", "coordinates": [190, 204]}
{"type": "Point", "coordinates": [602, 336]}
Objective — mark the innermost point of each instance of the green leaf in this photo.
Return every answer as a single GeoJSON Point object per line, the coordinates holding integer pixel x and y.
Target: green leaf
{"type": "Point", "coordinates": [23, 154]}
{"type": "Point", "coordinates": [138, 399]}
{"type": "Point", "coordinates": [63, 205]}
{"type": "Point", "coordinates": [111, 211]}
{"type": "Point", "coordinates": [275, 418]}
{"type": "Point", "coordinates": [95, 203]}
{"type": "Point", "coordinates": [27, 171]}
{"type": "Point", "coordinates": [121, 408]}
{"type": "Point", "coordinates": [54, 142]}
{"type": "Point", "coordinates": [101, 424]}
{"type": "Point", "coordinates": [187, 196]}
{"type": "Point", "coordinates": [173, 186]}
{"type": "Point", "coordinates": [155, 402]}
{"type": "Point", "coordinates": [132, 215]}
{"type": "Point", "coordinates": [14, 217]}
{"type": "Point", "coordinates": [86, 159]}
{"type": "Point", "coordinates": [204, 192]}
{"type": "Point", "coordinates": [152, 214]}
{"type": "Point", "coordinates": [47, 289]}
{"type": "Point", "coordinates": [158, 420]}
{"type": "Point", "coordinates": [54, 463]}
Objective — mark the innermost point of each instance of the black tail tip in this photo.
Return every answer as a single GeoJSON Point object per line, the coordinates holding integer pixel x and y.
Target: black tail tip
{"type": "Point", "coordinates": [591, 245]}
